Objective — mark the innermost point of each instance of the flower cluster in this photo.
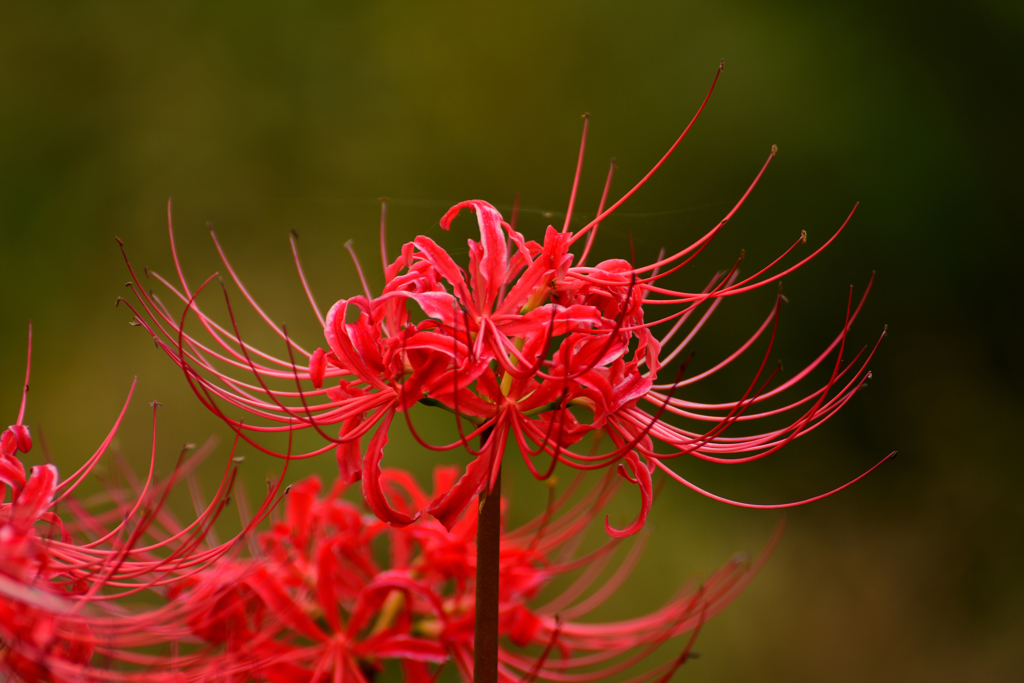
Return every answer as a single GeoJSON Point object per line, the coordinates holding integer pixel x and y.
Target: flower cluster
{"type": "Point", "coordinates": [527, 343]}
{"type": "Point", "coordinates": [315, 604]}
{"type": "Point", "coordinates": [309, 598]}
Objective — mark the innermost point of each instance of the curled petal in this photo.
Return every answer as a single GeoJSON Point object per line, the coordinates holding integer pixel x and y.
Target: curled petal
{"type": "Point", "coordinates": [446, 267]}
{"type": "Point", "coordinates": [8, 443]}
{"type": "Point", "coordinates": [12, 473]}
{"type": "Point", "coordinates": [355, 343]}
{"type": "Point", "coordinates": [491, 254]}
{"type": "Point", "coordinates": [317, 367]}
{"type": "Point", "coordinates": [372, 491]}
{"type": "Point", "coordinates": [643, 481]}
{"type": "Point", "coordinates": [22, 437]}
{"type": "Point", "coordinates": [448, 507]}
{"type": "Point", "coordinates": [633, 386]}
{"type": "Point", "coordinates": [36, 496]}
{"type": "Point", "coordinates": [349, 459]}
{"type": "Point", "coordinates": [649, 350]}
{"type": "Point", "coordinates": [437, 305]}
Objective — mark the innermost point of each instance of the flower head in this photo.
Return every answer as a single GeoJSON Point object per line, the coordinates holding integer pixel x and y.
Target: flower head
{"type": "Point", "coordinates": [525, 342]}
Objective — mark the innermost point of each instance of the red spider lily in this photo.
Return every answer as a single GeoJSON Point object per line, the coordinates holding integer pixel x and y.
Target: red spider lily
{"type": "Point", "coordinates": [520, 342]}
{"type": "Point", "coordinates": [69, 590]}
{"type": "Point", "coordinates": [314, 605]}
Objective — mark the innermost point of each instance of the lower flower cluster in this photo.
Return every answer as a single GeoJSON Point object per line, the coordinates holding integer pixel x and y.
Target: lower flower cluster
{"type": "Point", "coordinates": [313, 588]}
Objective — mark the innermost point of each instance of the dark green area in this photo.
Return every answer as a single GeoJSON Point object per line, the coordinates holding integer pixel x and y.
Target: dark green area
{"type": "Point", "coordinates": [264, 118]}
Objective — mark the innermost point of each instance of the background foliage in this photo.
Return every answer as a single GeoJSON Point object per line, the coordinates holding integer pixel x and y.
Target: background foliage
{"type": "Point", "coordinates": [264, 120]}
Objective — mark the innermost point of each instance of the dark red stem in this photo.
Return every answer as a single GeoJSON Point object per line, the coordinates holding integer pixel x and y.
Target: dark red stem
{"type": "Point", "coordinates": [488, 546]}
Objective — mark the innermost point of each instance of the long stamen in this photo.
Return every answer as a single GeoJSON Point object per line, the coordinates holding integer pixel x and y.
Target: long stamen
{"type": "Point", "coordinates": [293, 239]}
{"type": "Point", "coordinates": [384, 235]}
{"type": "Point", "coordinates": [576, 178]}
{"type": "Point", "coordinates": [604, 214]}
{"type": "Point", "coordinates": [28, 373]}
{"type": "Point", "coordinates": [359, 269]}
{"type": "Point", "coordinates": [600, 211]}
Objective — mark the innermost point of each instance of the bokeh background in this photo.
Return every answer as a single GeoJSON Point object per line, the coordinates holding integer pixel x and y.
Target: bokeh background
{"type": "Point", "coordinates": [263, 119]}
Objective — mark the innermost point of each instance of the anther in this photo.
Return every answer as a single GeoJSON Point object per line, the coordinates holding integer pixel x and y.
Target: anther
{"type": "Point", "coordinates": [287, 489]}
{"type": "Point", "coordinates": [118, 240]}
{"type": "Point", "coordinates": [295, 233]}
{"type": "Point", "coordinates": [189, 446]}
{"type": "Point", "coordinates": [721, 65]}
{"type": "Point", "coordinates": [348, 243]}
{"type": "Point", "coordinates": [134, 323]}
{"type": "Point", "coordinates": [775, 150]}
{"type": "Point", "coordinates": [803, 236]}
{"type": "Point", "coordinates": [885, 330]}
{"type": "Point", "coordinates": [156, 404]}
{"type": "Point", "coordinates": [238, 459]}
{"type": "Point", "coordinates": [585, 115]}
{"type": "Point", "coordinates": [145, 270]}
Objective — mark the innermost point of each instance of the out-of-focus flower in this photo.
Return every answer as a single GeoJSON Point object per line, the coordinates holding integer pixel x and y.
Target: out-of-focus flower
{"type": "Point", "coordinates": [83, 593]}
{"type": "Point", "coordinates": [317, 603]}
{"type": "Point", "coordinates": [525, 342]}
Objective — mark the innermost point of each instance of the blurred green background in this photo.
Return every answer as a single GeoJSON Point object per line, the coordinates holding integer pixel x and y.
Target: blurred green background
{"type": "Point", "coordinates": [264, 118]}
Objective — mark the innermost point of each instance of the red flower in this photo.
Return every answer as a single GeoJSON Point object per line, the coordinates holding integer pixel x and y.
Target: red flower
{"type": "Point", "coordinates": [313, 604]}
{"type": "Point", "coordinates": [69, 589]}
{"type": "Point", "coordinates": [521, 342]}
